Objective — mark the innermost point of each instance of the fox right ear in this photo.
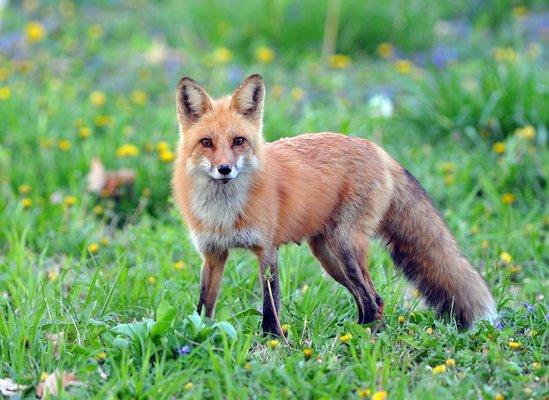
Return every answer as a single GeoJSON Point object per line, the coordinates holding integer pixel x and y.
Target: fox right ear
{"type": "Point", "coordinates": [192, 101]}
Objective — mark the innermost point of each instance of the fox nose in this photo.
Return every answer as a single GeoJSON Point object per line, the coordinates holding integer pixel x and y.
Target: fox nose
{"type": "Point", "coordinates": [224, 169]}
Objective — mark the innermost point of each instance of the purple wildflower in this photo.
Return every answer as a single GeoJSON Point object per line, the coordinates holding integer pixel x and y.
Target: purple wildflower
{"type": "Point", "coordinates": [498, 325]}
{"type": "Point", "coordinates": [529, 307]}
{"type": "Point", "coordinates": [183, 350]}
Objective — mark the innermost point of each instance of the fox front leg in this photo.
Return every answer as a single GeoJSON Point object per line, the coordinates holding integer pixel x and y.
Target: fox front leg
{"type": "Point", "coordinates": [210, 280]}
{"type": "Point", "coordinates": [268, 267]}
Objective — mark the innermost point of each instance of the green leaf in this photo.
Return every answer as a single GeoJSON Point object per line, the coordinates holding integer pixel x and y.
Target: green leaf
{"type": "Point", "coordinates": [224, 326]}
{"type": "Point", "coordinates": [165, 315]}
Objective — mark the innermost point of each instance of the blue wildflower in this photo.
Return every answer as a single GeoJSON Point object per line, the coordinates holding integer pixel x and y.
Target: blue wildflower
{"type": "Point", "coordinates": [183, 350]}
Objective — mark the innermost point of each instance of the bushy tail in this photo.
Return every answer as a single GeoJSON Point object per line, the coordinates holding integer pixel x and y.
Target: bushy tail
{"type": "Point", "coordinates": [423, 247]}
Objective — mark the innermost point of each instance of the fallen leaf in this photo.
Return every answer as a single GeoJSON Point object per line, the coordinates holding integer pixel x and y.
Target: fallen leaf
{"type": "Point", "coordinates": [9, 388]}
{"type": "Point", "coordinates": [55, 381]}
{"type": "Point", "coordinates": [108, 183]}
{"type": "Point", "coordinates": [55, 340]}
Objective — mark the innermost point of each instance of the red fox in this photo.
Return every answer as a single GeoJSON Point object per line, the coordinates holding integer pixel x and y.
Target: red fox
{"type": "Point", "coordinates": [236, 191]}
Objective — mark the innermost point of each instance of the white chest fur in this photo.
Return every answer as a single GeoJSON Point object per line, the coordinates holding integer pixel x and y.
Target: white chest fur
{"type": "Point", "coordinates": [218, 207]}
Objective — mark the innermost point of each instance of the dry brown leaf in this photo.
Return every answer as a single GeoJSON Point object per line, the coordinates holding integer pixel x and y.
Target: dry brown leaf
{"type": "Point", "coordinates": [9, 388]}
{"type": "Point", "coordinates": [55, 339]}
{"type": "Point", "coordinates": [55, 381]}
{"type": "Point", "coordinates": [108, 183]}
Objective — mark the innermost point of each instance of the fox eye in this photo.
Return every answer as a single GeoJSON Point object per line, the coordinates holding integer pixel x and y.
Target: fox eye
{"type": "Point", "coordinates": [206, 142]}
{"type": "Point", "coordinates": [238, 141]}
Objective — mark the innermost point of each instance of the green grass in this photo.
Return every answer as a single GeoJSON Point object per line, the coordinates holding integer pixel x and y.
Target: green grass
{"type": "Point", "coordinates": [106, 303]}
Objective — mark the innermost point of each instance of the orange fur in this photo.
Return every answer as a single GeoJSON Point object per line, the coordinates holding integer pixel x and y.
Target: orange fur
{"type": "Point", "coordinates": [331, 190]}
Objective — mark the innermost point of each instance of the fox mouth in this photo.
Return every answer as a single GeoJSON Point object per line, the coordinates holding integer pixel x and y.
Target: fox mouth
{"type": "Point", "coordinates": [224, 180]}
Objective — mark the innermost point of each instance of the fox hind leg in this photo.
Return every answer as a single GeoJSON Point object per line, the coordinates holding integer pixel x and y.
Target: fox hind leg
{"type": "Point", "coordinates": [346, 264]}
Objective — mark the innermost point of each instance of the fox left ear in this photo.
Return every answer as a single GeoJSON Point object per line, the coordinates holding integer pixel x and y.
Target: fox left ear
{"type": "Point", "coordinates": [248, 98]}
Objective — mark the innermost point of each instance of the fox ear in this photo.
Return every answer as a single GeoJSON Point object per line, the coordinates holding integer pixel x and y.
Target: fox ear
{"type": "Point", "coordinates": [248, 98]}
{"type": "Point", "coordinates": [192, 101]}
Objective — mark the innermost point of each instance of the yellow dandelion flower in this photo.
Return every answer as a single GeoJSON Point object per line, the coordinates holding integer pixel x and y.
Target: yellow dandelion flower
{"type": "Point", "coordinates": [449, 179]}
{"type": "Point", "coordinates": [506, 257]}
{"type": "Point", "coordinates": [499, 396]}
{"type": "Point", "coordinates": [448, 167]}
{"type": "Point", "coordinates": [273, 343]}
{"type": "Point", "coordinates": [385, 50]}
{"type": "Point", "coordinates": [416, 293]}
{"type": "Point", "coordinates": [93, 248]}
{"type": "Point", "coordinates": [84, 132]}
{"type": "Point", "coordinates": [26, 203]}
{"type": "Point", "coordinates": [450, 363]}
{"type": "Point", "coordinates": [363, 393]}
{"type": "Point", "coordinates": [24, 189]}
{"type": "Point", "coordinates": [508, 198]}
{"type": "Point", "coordinates": [403, 67]}
{"type": "Point", "coordinates": [98, 98]}
{"type": "Point", "coordinates": [515, 269]}
{"type": "Point", "coordinates": [64, 144]}
{"type": "Point", "coordinates": [535, 365]}
{"type": "Point", "coordinates": [5, 93]}
{"type": "Point", "coordinates": [43, 376]}
{"type": "Point", "coordinates": [149, 147]}
{"type": "Point", "coordinates": [162, 146]}
{"type": "Point", "coordinates": [498, 148]}
{"type": "Point", "coordinates": [151, 280]}
{"type": "Point", "coordinates": [69, 201]}
{"type": "Point", "coordinates": [188, 386]}
{"type": "Point", "coordinates": [439, 369]}
{"type": "Point", "coordinates": [265, 54]}
{"type": "Point", "coordinates": [103, 120]}
{"type": "Point", "coordinates": [340, 61]}
{"type": "Point", "coordinates": [526, 132]}
{"type": "Point", "coordinates": [297, 93]}
{"type": "Point", "coordinates": [35, 31]}
{"type": "Point", "coordinates": [139, 97]}
{"type": "Point", "coordinates": [514, 345]}
{"type": "Point", "coordinates": [401, 319]}
{"type": "Point", "coordinates": [520, 11]}
{"type": "Point", "coordinates": [345, 338]}
{"type": "Point", "coordinates": [222, 55]}
{"type": "Point", "coordinates": [52, 275]}
{"type": "Point", "coordinates": [101, 356]}
{"type": "Point", "coordinates": [4, 72]}
{"type": "Point", "coordinates": [166, 156]}
{"type": "Point", "coordinates": [304, 288]}
{"type": "Point", "coordinates": [285, 328]}
{"type": "Point", "coordinates": [95, 31]}
{"type": "Point", "coordinates": [98, 210]}
{"type": "Point", "coordinates": [380, 395]}
{"type": "Point", "coordinates": [179, 265]}
{"type": "Point", "coordinates": [429, 331]}
{"type": "Point", "coordinates": [507, 54]}
{"type": "Point", "coordinates": [307, 353]}
{"type": "Point", "coordinates": [127, 150]}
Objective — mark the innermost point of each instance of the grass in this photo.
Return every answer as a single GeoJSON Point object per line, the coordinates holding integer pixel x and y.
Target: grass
{"type": "Point", "coordinates": [119, 278]}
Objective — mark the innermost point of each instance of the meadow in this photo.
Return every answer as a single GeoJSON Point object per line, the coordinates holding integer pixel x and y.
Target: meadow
{"type": "Point", "coordinates": [98, 288]}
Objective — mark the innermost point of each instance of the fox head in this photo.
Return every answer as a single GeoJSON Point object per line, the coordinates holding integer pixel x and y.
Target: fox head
{"type": "Point", "coordinates": [220, 138]}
